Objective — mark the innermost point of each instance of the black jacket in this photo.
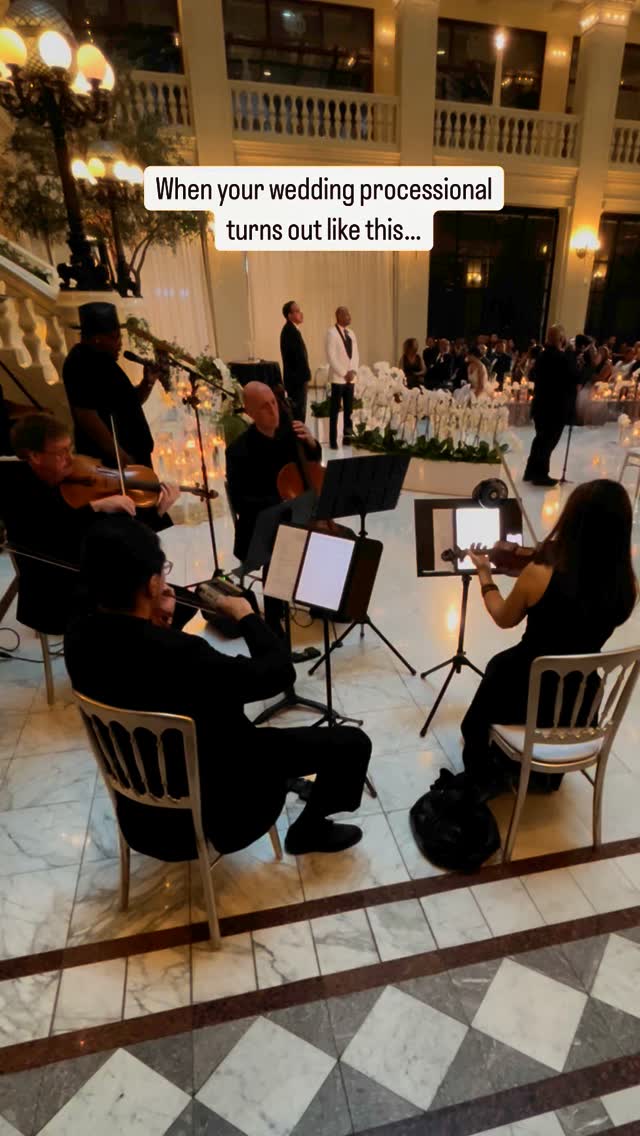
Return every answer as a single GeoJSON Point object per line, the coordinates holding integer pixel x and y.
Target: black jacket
{"type": "Point", "coordinates": [131, 664]}
{"type": "Point", "coordinates": [253, 464]}
{"type": "Point", "coordinates": [555, 386]}
{"type": "Point", "coordinates": [295, 361]}
{"type": "Point", "coordinates": [38, 520]}
{"type": "Point", "coordinates": [94, 381]}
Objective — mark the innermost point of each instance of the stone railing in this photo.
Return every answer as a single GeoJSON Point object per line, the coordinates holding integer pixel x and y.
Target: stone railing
{"type": "Point", "coordinates": [625, 143]}
{"type": "Point", "coordinates": [32, 340]}
{"type": "Point", "coordinates": [155, 94]}
{"type": "Point", "coordinates": [485, 131]}
{"type": "Point", "coordinates": [302, 114]}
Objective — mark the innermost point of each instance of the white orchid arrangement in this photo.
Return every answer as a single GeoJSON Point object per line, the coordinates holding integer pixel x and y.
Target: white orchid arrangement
{"type": "Point", "coordinates": [388, 404]}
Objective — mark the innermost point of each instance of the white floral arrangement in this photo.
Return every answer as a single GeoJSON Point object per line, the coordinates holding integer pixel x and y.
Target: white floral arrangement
{"type": "Point", "coordinates": [389, 405]}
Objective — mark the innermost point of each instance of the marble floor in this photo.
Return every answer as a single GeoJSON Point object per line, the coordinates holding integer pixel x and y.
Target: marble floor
{"type": "Point", "coordinates": [405, 999]}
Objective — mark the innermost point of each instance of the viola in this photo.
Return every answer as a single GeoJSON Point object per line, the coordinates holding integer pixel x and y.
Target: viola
{"type": "Point", "coordinates": [506, 556]}
{"type": "Point", "coordinates": [89, 480]}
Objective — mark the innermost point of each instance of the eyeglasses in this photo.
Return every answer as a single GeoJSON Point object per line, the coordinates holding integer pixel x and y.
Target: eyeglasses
{"type": "Point", "coordinates": [167, 567]}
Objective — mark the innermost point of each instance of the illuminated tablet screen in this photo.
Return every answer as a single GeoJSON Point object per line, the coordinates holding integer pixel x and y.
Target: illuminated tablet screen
{"type": "Point", "coordinates": [324, 571]}
{"type": "Point", "coordinates": [476, 526]}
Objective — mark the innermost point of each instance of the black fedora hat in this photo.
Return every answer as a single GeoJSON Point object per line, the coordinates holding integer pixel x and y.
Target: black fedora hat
{"type": "Point", "coordinates": [97, 319]}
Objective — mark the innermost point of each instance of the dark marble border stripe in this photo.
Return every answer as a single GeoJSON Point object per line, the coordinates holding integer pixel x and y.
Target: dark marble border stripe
{"type": "Point", "coordinates": [522, 1102]}
{"type": "Point", "coordinates": [46, 1051]}
{"type": "Point", "coordinates": [145, 941]}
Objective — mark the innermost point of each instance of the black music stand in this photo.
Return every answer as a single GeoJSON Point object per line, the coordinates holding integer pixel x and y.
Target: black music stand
{"type": "Point", "coordinates": [357, 486]}
{"type": "Point", "coordinates": [457, 661]}
{"type": "Point", "coordinates": [298, 511]}
{"type": "Point", "coordinates": [430, 562]}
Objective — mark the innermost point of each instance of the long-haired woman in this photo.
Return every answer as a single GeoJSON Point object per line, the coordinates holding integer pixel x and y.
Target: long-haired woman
{"type": "Point", "coordinates": [578, 588]}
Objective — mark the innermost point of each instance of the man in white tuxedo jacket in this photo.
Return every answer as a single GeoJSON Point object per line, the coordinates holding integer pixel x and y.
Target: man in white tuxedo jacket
{"type": "Point", "coordinates": [344, 360]}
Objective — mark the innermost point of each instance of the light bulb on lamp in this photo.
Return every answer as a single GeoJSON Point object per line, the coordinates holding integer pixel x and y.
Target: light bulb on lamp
{"type": "Point", "coordinates": [500, 40]}
{"type": "Point", "coordinates": [13, 50]}
{"type": "Point", "coordinates": [96, 167]}
{"type": "Point", "coordinates": [81, 85]}
{"type": "Point", "coordinates": [81, 172]}
{"type": "Point", "coordinates": [92, 63]}
{"type": "Point", "coordinates": [55, 51]}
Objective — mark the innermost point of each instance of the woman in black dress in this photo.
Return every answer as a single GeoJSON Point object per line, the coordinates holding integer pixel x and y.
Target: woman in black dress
{"type": "Point", "coordinates": [579, 587]}
{"type": "Point", "coordinates": [412, 364]}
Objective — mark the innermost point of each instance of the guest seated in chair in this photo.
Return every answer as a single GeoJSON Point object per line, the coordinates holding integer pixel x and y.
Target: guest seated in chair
{"type": "Point", "coordinates": [577, 589]}
{"type": "Point", "coordinates": [120, 657]}
{"type": "Point", "coordinates": [412, 363]}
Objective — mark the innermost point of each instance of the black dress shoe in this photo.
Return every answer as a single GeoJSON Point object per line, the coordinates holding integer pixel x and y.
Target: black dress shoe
{"type": "Point", "coordinates": [332, 447]}
{"type": "Point", "coordinates": [347, 439]}
{"type": "Point", "coordinates": [547, 482]}
{"type": "Point", "coordinates": [305, 656]}
{"type": "Point", "coordinates": [325, 836]}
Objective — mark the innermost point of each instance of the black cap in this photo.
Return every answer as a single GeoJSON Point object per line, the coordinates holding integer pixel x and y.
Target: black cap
{"type": "Point", "coordinates": [97, 319]}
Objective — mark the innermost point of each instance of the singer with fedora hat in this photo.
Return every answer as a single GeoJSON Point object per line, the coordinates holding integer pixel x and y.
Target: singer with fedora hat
{"type": "Point", "coordinates": [98, 390]}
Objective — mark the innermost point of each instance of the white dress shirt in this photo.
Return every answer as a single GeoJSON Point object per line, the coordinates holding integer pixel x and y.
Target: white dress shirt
{"type": "Point", "coordinates": [339, 362]}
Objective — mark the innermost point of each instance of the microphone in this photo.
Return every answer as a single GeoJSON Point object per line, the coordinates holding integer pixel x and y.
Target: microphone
{"type": "Point", "coordinates": [133, 358]}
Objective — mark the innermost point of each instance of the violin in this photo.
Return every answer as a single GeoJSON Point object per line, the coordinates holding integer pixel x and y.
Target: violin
{"type": "Point", "coordinates": [506, 556]}
{"type": "Point", "coordinates": [89, 480]}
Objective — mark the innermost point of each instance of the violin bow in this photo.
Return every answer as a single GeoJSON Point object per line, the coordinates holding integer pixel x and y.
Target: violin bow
{"type": "Point", "coordinates": [117, 449]}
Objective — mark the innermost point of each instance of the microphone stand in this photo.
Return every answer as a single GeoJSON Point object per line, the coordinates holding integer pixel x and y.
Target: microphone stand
{"type": "Point", "coordinates": [193, 401]}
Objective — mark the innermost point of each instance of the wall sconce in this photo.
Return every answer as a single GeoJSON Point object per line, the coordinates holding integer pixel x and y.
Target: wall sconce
{"type": "Point", "coordinates": [500, 40]}
{"type": "Point", "coordinates": [584, 241]}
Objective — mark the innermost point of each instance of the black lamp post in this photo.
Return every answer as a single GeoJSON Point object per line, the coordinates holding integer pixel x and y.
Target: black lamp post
{"type": "Point", "coordinates": [106, 177]}
{"type": "Point", "coordinates": [35, 83]}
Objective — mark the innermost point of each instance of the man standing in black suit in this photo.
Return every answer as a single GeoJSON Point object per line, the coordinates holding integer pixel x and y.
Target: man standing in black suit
{"type": "Point", "coordinates": [295, 361]}
{"type": "Point", "coordinates": [553, 405]}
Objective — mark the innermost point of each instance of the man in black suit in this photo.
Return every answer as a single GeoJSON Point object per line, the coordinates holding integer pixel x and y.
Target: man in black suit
{"type": "Point", "coordinates": [254, 461]}
{"type": "Point", "coordinates": [441, 375]}
{"type": "Point", "coordinates": [553, 404]}
{"type": "Point", "coordinates": [295, 361]}
{"type": "Point", "coordinates": [501, 362]}
{"type": "Point", "coordinates": [119, 657]}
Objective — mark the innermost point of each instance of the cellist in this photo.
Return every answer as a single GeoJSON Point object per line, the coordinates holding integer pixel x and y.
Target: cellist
{"type": "Point", "coordinates": [254, 461]}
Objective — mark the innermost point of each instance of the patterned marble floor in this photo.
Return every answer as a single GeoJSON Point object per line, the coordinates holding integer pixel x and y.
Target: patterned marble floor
{"type": "Point", "coordinates": [403, 999]}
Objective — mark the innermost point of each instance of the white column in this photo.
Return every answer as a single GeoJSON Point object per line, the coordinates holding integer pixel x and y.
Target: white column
{"type": "Point", "coordinates": [555, 75]}
{"type": "Point", "coordinates": [202, 30]}
{"type": "Point", "coordinates": [604, 27]}
{"type": "Point", "coordinates": [417, 44]}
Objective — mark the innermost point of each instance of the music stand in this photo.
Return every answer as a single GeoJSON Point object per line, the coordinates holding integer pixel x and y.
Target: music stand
{"type": "Point", "coordinates": [358, 486]}
{"type": "Point", "coordinates": [430, 538]}
{"type": "Point", "coordinates": [259, 553]}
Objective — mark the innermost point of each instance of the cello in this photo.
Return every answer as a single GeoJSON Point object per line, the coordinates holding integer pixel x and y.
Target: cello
{"type": "Point", "coordinates": [302, 475]}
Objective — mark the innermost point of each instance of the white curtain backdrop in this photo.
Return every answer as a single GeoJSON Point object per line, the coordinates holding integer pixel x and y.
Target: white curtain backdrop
{"type": "Point", "coordinates": [174, 291]}
{"type": "Point", "coordinates": [320, 282]}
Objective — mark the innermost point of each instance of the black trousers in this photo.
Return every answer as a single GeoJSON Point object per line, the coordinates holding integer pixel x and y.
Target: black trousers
{"type": "Point", "coordinates": [244, 789]}
{"type": "Point", "coordinates": [298, 400]}
{"type": "Point", "coordinates": [338, 755]}
{"type": "Point", "coordinates": [341, 395]}
{"type": "Point", "coordinates": [548, 434]}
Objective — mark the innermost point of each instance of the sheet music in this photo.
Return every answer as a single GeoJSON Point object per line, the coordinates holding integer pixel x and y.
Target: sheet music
{"type": "Point", "coordinates": [325, 570]}
{"type": "Point", "coordinates": [285, 563]}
